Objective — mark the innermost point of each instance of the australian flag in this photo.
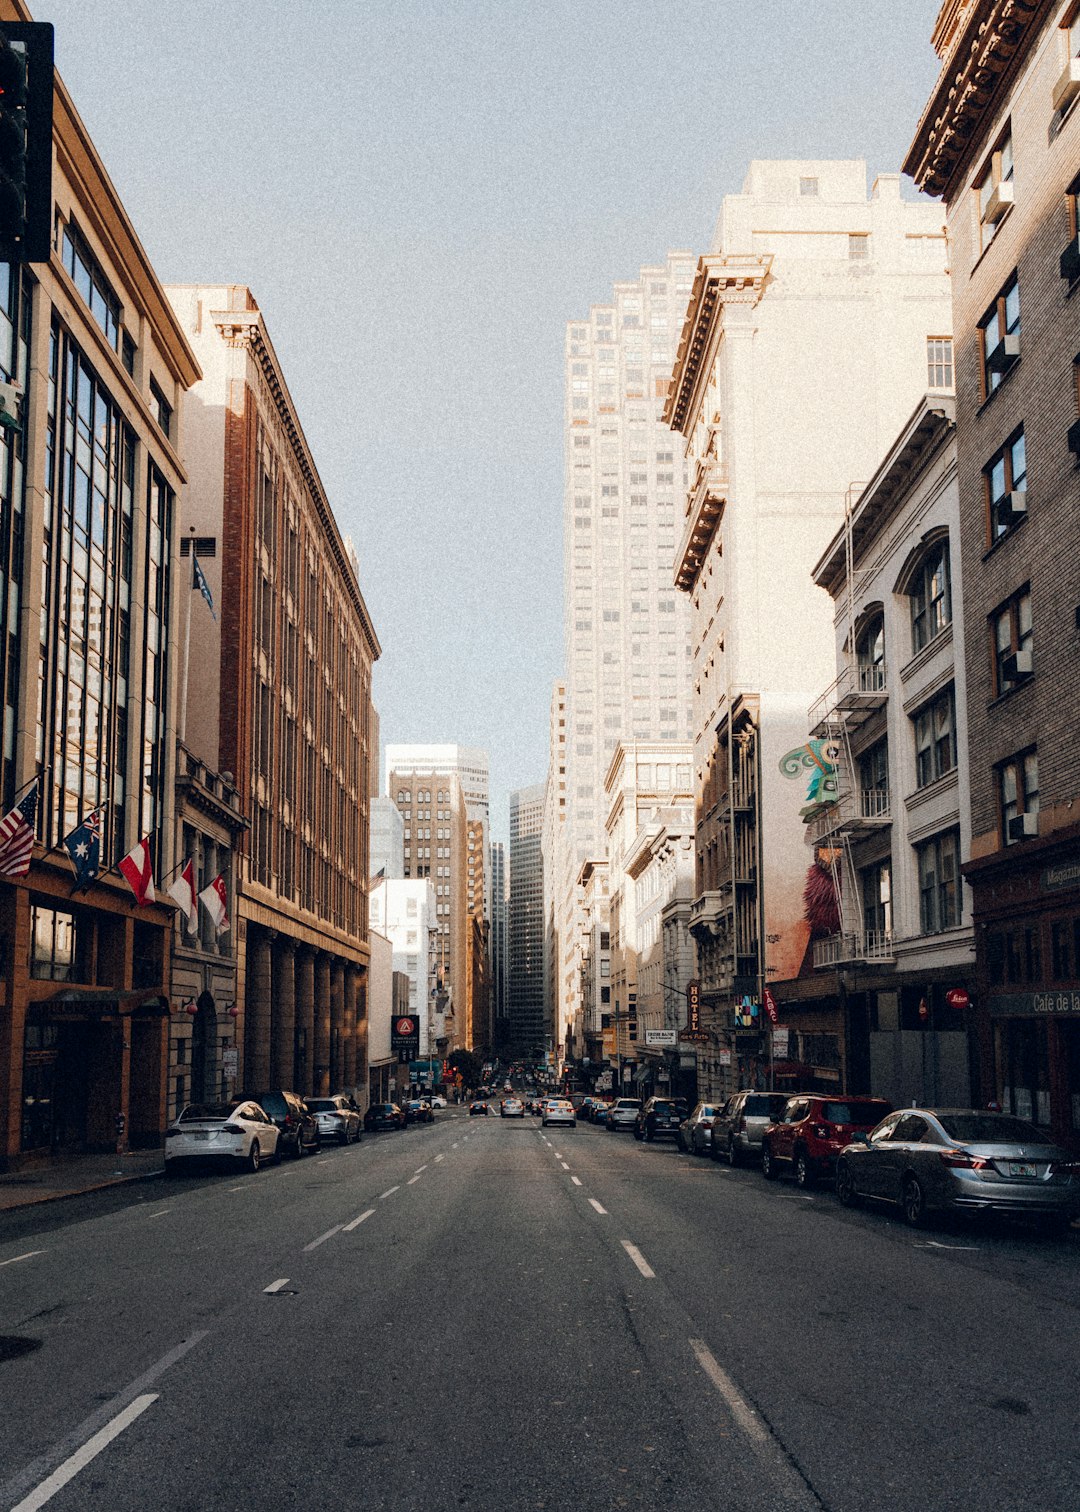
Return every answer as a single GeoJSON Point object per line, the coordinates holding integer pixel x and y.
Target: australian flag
{"type": "Point", "coordinates": [84, 847]}
{"type": "Point", "coordinates": [198, 580]}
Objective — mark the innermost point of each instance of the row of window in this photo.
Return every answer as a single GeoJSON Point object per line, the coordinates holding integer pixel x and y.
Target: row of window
{"type": "Point", "coordinates": [940, 888]}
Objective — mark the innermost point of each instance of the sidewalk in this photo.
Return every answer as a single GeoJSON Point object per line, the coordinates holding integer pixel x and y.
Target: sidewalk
{"type": "Point", "coordinates": [72, 1175]}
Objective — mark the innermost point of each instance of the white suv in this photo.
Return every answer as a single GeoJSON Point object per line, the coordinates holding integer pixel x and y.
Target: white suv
{"type": "Point", "coordinates": [623, 1114]}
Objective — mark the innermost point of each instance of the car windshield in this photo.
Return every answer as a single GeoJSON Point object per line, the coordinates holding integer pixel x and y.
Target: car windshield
{"type": "Point", "coordinates": [990, 1128]}
{"type": "Point", "coordinates": [203, 1112]}
{"type": "Point", "coordinates": [764, 1105]}
{"type": "Point", "coordinates": [321, 1105]}
{"type": "Point", "coordinates": [867, 1113]}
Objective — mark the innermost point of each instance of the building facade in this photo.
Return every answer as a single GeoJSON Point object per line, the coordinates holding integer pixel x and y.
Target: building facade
{"type": "Point", "coordinates": [405, 912]}
{"type": "Point", "coordinates": [387, 839]}
{"type": "Point", "coordinates": [500, 902]}
{"type": "Point", "coordinates": [553, 848]}
{"type": "Point", "coordinates": [998, 142]}
{"type": "Point", "coordinates": [284, 675]}
{"type": "Point", "coordinates": [530, 1029]}
{"type": "Point", "coordinates": [594, 1025]}
{"type": "Point", "coordinates": [810, 331]}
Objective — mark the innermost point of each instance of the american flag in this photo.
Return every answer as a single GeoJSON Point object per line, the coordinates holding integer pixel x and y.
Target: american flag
{"type": "Point", "coordinates": [17, 834]}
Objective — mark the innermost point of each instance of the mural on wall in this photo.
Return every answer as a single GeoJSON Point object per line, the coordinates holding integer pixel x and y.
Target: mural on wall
{"type": "Point", "coordinates": [821, 900]}
{"type": "Point", "coordinates": [818, 757]}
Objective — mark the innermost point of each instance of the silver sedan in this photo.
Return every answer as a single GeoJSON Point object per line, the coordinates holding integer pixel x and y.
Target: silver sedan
{"type": "Point", "coordinates": [961, 1160]}
{"type": "Point", "coordinates": [695, 1132]}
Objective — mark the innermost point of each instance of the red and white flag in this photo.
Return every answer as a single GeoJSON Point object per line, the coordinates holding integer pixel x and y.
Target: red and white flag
{"type": "Point", "coordinates": [138, 870]}
{"type": "Point", "coordinates": [215, 900]}
{"type": "Point", "coordinates": [183, 890]}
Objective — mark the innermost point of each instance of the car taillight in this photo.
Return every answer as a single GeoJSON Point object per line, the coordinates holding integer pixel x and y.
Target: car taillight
{"type": "Point", "coordinates": [963, 1160]}
{"type": "Point", "coordinates": [231, 1129]}
{"type": "Point", "coordinates": [288, 1121]}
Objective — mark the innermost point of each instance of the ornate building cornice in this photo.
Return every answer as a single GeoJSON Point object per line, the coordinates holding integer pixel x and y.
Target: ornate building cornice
{"type": "Point", "coordinates": [720, 280]}
{"type": "Point", "coordinates": [985, 46]}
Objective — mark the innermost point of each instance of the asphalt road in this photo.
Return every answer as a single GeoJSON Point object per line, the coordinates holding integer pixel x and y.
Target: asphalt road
{"type": "Point", "coordinates": [484, 1314]}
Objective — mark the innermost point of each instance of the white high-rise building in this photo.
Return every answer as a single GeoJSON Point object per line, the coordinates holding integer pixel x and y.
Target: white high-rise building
{"type": "Point", "coordinates": [468, 763]}
{"type": "Point", "coordinates": [626, 629]}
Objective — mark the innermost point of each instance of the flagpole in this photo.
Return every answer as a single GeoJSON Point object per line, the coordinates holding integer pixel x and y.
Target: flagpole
{"type": "Point", "coordinates": [187, 648]}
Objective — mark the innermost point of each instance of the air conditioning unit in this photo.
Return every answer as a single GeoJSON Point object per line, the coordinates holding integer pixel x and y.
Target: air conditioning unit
{"type": "Point", "coordinates": [1022, 662]}
{"type": "Point", "coordinates": [1068, 86]}
{"type": "Point", "coordinates": [1001, 199]}
{"type": "Point", "coordinates": [1014, 504]}
{"type": "Point", "coordinates": [1024, 826]}
{"type": "Point", "coordinates": [1004, 354]}
{"type": "Point", "coordinates": [1069, 263]}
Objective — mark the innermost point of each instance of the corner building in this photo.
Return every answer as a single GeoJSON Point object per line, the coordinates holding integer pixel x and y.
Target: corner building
{"type": "Point", "coordinates": [999, 141]}
{"type": "Point", "coordinates": [280, 698]}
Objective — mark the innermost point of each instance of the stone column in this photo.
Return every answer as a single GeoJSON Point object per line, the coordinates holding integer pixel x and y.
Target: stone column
{"type": "Point", "coordinates": [305, 1022]}
{"type": "Point", "coordinates": [361, 1041]}
{"type": "Point", "coordinates": [283, 1021]}
{"type": "Point", "coordinates": [321, 1063]}
{"type": "Point", "coordinates": [348, 1068]}
{"type": "Point", "coordinates": [257, 1012]}
{"type": "Point", "coordinates": [337, 1022]}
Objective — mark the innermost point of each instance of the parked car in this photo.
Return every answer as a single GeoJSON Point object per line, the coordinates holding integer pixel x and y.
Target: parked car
{"type": "Point", "coordinates": [298, 1128]}
{"type": "Point", "coordinates": [599, 1114]}
{"type": "Point", "coordinates": [623, 1114]}
{"type": "Point", "coordinates": [812, 1130]}
{"type": "Point", "coordinates": [961, 1160]}
{"type": "Point", "coordinates": [383, 1115]}
{"type": "Point", "coordinates": [512, 1107]}
{"type": "Point", "coordinates": [738, 1127]}
{"type": "Point", "coordinates": [438, 1101]}
{"type": "Point", "coordinates": [236, 1132]}
{"type": "Point", "coordinates": [417, 1110]}
{"type": "Point", "coordinates": [658, 1119]}
{"type": "Point", "coordinates": [479, 1110]}
{"type": "Point", "coordinates": [559, 1110]}
{"type": "Point", "coordinates": [337, 1118]}
{"type": "Point", "coordinates": [695, 1131]}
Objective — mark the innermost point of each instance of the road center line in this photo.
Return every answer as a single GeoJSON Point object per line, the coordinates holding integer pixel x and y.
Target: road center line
{"type": "Point", "coordinates": [564, 1165]}
{"type": "Point", "coordinates": [384, 1195]}
{"type": "Point", "coordinates": [639, 1260]}
{"type": "Point", "coordinates": [358, 1221]}
{"type": "Point", "coordinates": [454, 1145]}
{"type": "Point", "coordinates": [160, 1213]}
{"type": "Point", "coordinates": [275, 1286]}
{"type": "Point", "coordinates": [324, 1237]}
{"type": "Point", "coordinates": [421, 1168]}
{"type": "Point", "coordinates": [82, 1457]}
{"type": "Point", "coordinates": [740, 1409]}
{"type": "Point", "coordinates": [575, 1180]}
{"type": "Point", "coordinates": [237, 1189]}
{"type": "Point", "coordinates": [593, 1203]}
{"type": "Point", "coordinates": [412, 1180]}
{"type": "Point", "coordinates": [558, 1156]}
{"type": "Point", "coordinates": [323, 1162]}
{"type": "Point", "coordinates": [438, 1158]}
{"type": "Point", "coordinates": [16, 1258]}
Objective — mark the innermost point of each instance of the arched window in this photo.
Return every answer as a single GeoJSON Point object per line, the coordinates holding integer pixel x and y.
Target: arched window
{"type": "Point", "coordinates": [930, 591]}
{"type": "Point", "coordinates": [870, 655]}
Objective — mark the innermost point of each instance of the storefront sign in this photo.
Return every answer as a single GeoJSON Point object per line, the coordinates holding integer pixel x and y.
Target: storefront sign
{"type": "Point", "coordinates": [746, 1014]}
{"type": "Point", "coordinates": [693, 1005]}
{"type": "Point", "coordinates": [1058, 878]}
{"type": "Point", "coordinates": [661, 1037]}
{"type": "Point", "coordinates": [1034, 1004]}
{"type": "Point", "coordinates": [957, 997]}
{"type": "Point", "coordinates": [230, 1062]}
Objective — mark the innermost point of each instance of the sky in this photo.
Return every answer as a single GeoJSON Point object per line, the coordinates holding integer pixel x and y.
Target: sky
{"type": "Point", "coordinates": [420, 196]}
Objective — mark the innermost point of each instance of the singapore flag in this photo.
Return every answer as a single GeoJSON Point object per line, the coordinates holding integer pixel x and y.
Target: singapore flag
{"type": "Point", "coordinates": [215, 900]}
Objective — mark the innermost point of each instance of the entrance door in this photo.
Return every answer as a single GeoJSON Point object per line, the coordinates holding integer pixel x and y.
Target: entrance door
{"type": "Point", "coordinates": [205, 1071]}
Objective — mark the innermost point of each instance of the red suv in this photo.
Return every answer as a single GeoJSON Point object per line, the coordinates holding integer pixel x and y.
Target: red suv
{"type": "Point", "coordinates": [811, 1132]}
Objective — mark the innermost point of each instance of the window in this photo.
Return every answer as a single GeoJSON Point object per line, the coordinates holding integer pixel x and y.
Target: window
{"type": "Point", "coordinates": [808, 187]}
{"type": "Point", "coordinates": [939, 882]}
{"type": "Point", "coordinates": [1018, 797]}
{"type": "Point", "coordinates": [91, 283]}
{"type": "Point", "coordinates": [858, 247]}
{"type": "Point", "coordinates": [931, 599]}
{"type": "Point", "coordinates": [994, 189]}
{"type": "Point", "coordinates": [939, 368]}
{"type": "Point", "coordinates": [877, 898]}
{"type": "Point", "coordinates": [162, 408]}
{"type": "Point", "coordinates": [870, 654]}
{"type": "Point", "coordinates": [1005, 484]}
{"type": "Point", "coordinates": [935, 738]}
{"type": "Point", "coordinates": [874, 780]}
{"type": "Point", "coordinates": [127, 353]}
{"type": "Point", "coordinates": [999, 337]}
{"type": "Point", "coordinates": [1011, 640]}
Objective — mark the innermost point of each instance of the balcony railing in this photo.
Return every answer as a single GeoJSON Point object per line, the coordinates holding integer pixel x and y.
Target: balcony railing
{"type": "Point", "coordinates": [852, 812]}
{"type": "Point", "coordinates": [860, 688]}
{"type": "Point", "coordinates": [868, 945]}
{"type": "Point", "coordinates": [710, 909]}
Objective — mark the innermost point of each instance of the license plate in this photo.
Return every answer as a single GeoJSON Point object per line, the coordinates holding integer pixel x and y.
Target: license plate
{"type": "Point", "coordinates": [1021, 1168]}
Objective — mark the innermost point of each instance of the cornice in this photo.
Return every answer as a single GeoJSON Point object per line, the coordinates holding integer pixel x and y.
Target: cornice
{"type": "Point", "coordinates": [720, 280]}
{"type": "Point", "coordinates": [246, 329]}
{"type": "Point", "coordinates": [969, 86]}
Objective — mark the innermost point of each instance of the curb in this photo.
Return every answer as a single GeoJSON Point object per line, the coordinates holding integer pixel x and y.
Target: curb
{"type": "Point", "coordinates": [83, 1191]}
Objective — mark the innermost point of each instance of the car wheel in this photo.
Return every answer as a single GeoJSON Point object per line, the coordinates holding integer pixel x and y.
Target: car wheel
{"type": "Point", "coordinates": [913, 1202]}
{"type": "Point", "coordinates": [768, 1164]}
{"type": "Point", "coordinates": [732, 1152]}
{"type": "Point", "coordinates": [637, 1133]}
{"type": "Point", "coordinates": [298, 1148]}
{"type": "Point", "coordinates": [343, 1137]}
{"type": "Point", "coordinates": [253, 1156]}
{"type": "Point", "coordinates": [846, 1189]}
{"type": "Point", "coordinates": [172, 1170]}
{"type": "Point", "coordinates": [804, 1175]}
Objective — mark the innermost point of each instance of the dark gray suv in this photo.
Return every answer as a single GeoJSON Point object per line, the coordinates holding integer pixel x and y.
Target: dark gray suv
{"type": "Point", "coordinates": [738, 1128]}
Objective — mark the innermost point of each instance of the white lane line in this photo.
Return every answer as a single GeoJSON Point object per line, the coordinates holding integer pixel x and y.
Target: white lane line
{"type": "Point", "coordinates": [323, 1162]}
{"type": "Point", "coordinates": [575, 1180]}
{"type": "Point", "coordinates": [275, 1286]}
{"type": "Point", "coordinates": [454, 1145]}
{"type": "Point", "coordinates": [324, 1237]}
{"type": "Point", "coordinates": [740, 1409]}
{"type": "Point", "coordinates": [639, 1260]}
{"type": "Point", "coordinates": [421, 1168]}
{"type": "Point", "coordinates": [384, 1195]}
{"type": "Point", "coordinates": [16, 1258]}
{"type": "Point", "coordinates": [82, 1457]}
{"type": "Point", "coordinates": [933, 1244]}
{"type": "Point", "coordinates": [558, 1156]}
{"type": "Point", "coordinates": [412, 1180]}
{"type": "Point", "coordinates": [160, 1213]}
{"type": "Point", "coordinates": [564, 1165]}
{"type": "Point", "coordinates": [593, 1203]}
{"type": "Point", "coordinates": [237, 1189]}
{"type": "Point", "coordinates": [438, 1158]}
{"type": "Point", "coordinates": [358, 1221]}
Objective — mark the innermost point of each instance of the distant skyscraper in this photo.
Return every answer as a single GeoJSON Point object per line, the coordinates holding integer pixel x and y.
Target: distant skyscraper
{"type": "Point", "coordinates": [499, 963]}
{"type": "Point", "coordinates": [387, 839]}
{"type": "Point", "coordinates": [529, 1027]}
{"type": "Point", "coordinates": [468, 763]}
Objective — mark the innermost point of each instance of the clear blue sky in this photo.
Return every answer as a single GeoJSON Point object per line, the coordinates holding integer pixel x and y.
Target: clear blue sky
{"type": "Point", "coordinates": [420, 196]}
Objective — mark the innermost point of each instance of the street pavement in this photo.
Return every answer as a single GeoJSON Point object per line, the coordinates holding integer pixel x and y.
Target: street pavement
{"type": "Point", "coordinates": [485, 1314]}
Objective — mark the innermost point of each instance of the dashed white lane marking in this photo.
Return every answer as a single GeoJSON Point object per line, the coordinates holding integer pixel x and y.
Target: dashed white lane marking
{"type": "Point", "coordinates": [593, 1203]}
{"type": "Point", "coordinates": [323, 1162]}
{"type": "Point", "coordinates": [160, 1213]}
{"type": "Point", "coordinates": [934, 1244]}
{"type": "Point", "coordinates": [575, 1180]}
{"type": "Point", "coordinates": [639, 1260]}
{"type": "Point", "coordinates": [564, 1165]}
{"type": "Point", "coordinates": [358, 1221]}
{"type": "Point", "coordinates": [275, 1286]}
{"type": "Point", "coordinates": [740, 1409]}
{"type": "Point", "coordinates": [421, 1168]}
{"type": "Point", "coordinates": [438, 1158]}
{"type": "Point", "coordinates": [16, 1258]}
{"type": "Point", "coordinates": [454, 1145]}
{"type": "Point", "coordinates": [412, 1180]}
{"type": "Point", "coordinates": [82, 1457]}
{"type": "Point", "coordinates": [384, 1195]}
{"type": "Point", "coordinates": [558, 1155]}
{"type": "Point", "coordinates": [324, 1237]}
{"type": "Point", "coordinates": [238, 1189]}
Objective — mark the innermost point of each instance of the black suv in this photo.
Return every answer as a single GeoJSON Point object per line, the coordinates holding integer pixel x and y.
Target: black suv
{"type": "Point", "coordinates": [658, 1119]}
{"type": "Point", "coordinates": [299, 1128]}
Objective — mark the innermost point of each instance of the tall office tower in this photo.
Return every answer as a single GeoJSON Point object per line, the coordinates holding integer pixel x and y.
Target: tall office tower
{"type": "Point", "coordinates": [479, 1029]}
{"type": "Point", "coordinates": [468, 763]}
{"type": "Point", "coordinates": [530, 1030]}
{"type": "Point", "coordinates": [387, 839]}
{"type": "Point", "coordinates": [553, 853]}
{"type": "Point", "coordinates": [626, 630]}
{"type": "Point", "coordinates": [433, 811]}
{"type": "Point", "coordinates": [499, 905]}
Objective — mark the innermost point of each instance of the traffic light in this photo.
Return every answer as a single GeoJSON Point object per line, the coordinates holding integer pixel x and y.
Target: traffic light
{"type": "Point", "coordinates": [26, 104]}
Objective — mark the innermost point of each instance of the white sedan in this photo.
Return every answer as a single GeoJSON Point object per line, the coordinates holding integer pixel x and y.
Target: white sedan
{"type": "Point", "coordinates": [240, 1133]}
{"type": "Point", "coordinates": [557, 1110]}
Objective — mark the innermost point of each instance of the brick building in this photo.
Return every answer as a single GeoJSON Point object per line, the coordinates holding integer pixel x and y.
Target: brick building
{"type": "Point", "coordinates": [1000, 142]}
